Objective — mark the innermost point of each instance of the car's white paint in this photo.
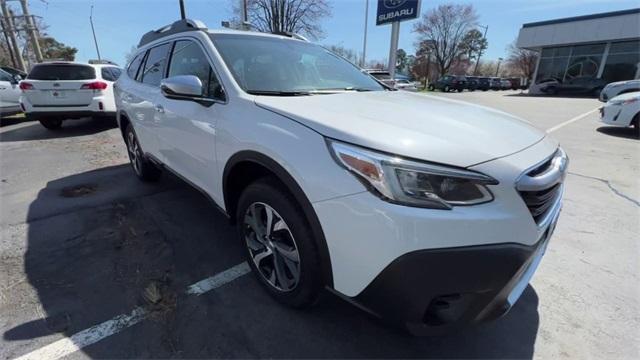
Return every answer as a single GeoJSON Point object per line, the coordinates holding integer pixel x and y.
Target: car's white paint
{"type": "Point", "coordinates": [620, 87]}
{"type": "Point", "coordinates": [621, 110]}
{"type": "Point", "coordinates": [9, 94]}
{"type": "Point", "coordinates": [424, 127]}
{"type": "Point", "coordinates": [40, 99]}
{"type": "Point", "coordinates": [363, 233]}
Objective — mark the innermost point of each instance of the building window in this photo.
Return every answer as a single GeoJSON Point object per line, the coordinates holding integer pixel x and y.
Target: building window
{"type": "Point", "coordinates": [623, 61]}
{"type": "Point", "coordinates": [569, 62]}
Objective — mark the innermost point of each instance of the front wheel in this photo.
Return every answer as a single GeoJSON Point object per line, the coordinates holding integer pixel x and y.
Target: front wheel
{"type": "Point", "coordinates": [432, 88]}
{"type": "Point", "coordinates": [446, 88]}
{"type": "Point", "coordinates": [51, 124]}
{"type": "Point", "coordinates": [280, 244]}
{"type": "Point", "coordinates": [144, 169]}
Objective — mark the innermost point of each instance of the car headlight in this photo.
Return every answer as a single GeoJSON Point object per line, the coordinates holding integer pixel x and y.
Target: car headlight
{"type": "Point", "coordinates": [624, 101]}
{"type": "Point", "coordinates": [413, 183]}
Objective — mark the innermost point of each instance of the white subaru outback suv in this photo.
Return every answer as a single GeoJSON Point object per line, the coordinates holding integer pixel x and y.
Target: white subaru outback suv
{"type": "Point", "coordinates": [61, 90]}
{"type": "Point", "coordinates": [427, 212]}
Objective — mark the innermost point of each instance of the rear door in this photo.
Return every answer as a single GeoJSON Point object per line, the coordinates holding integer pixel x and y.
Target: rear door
{"type": "Point", "coordinates": [60, 85]}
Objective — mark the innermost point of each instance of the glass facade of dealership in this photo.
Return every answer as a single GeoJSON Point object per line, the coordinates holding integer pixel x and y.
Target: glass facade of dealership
{"type": "Point", "coordinates": [611, 61]}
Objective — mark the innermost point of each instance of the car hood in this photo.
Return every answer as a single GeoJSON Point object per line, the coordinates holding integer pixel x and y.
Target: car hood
{"type": "Point", "coordinates": [423, 127]}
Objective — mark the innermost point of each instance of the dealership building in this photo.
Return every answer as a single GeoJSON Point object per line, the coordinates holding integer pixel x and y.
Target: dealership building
{"type": "Point", "coordinates": [600, 46]}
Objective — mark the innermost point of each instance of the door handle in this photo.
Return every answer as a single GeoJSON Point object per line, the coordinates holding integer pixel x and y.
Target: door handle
{"type": "Point", "coordinates": [159, 109]}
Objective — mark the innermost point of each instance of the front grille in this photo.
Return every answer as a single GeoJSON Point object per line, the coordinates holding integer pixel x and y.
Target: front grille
{"type": "Point", "coordinates": [540, 202]}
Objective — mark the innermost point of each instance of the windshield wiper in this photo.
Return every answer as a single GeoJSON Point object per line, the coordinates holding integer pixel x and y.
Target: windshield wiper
{"type": "Point", "coordinates": [279, 93]}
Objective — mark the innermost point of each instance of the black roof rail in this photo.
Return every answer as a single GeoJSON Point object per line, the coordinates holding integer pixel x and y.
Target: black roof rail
{"type": "Point", "coordinates": [177, 27]}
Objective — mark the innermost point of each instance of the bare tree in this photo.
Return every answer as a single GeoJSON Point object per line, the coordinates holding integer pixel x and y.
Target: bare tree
{"type": "Point", "coordinates": [348, 54]}
{"type": "Point", "coordinates": [287, 16]}
{"type": "Point", "coordinates": [445, 27]}
{"type": "Point", "coordinates": [522, 60]}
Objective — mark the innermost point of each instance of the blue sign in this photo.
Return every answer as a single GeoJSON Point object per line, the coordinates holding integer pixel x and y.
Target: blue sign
{"type": "Point", "coordinates": [397, 10]}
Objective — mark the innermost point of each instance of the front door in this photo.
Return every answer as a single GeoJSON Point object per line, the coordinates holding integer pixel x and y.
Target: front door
{"type": "Point", "coordinates": [187, 132]}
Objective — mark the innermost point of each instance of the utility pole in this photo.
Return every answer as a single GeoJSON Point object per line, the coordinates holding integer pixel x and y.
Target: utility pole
{"type": "Point", "coordinates": [6, 39]}
{"type": "Point", "coordinates": [498, 68]}
{"type": "Point", "coordinates": [364, 43]}
{"type": "Point", "coordinates": [393, 52]}
{"type": "Point", "coordinates": [11, 29]}
{"type": "Point", "coordinates": [182, 13]}
{"type": "Point", "coordinates": [95, 40]}
{"type": "Point", "coordinates": [31, 29]}
{"type": "Point", "coordinates": [475, 71]}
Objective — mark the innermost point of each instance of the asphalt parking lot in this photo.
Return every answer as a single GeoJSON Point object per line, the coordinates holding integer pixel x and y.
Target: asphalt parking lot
{"type": "Point", "coordinates": [84, 244]}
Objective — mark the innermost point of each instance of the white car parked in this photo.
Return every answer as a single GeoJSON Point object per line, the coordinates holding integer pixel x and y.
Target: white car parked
{"type": "Point", "coordinates": [623, 110]}
{"type": "Point", "coordinates": [399, 202]}
{"type": "Point", "coordinates": [9, 94]}
{"type": "Point", "coordinates": [57, 91]}
{"type": "Point", "coordinates": [617, 88]}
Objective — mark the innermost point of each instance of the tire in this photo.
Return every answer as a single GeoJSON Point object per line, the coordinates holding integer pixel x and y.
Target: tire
{"type": "Point", "coordinates": [460, 90]}
{"type": "Point", "coordinates": [144, 169]}
{"type": "Point", "coordinates": [432, 88]}
{"type": "Point", "coordinates": [51, 124]}
{"type": "Point", "coordinates": [551, 91]}
{"type": "Point", "coordinates": [445, 88]}
{"type": "Point", "coordinates": [293, 240]}
{"type": "Point", "coordinates": [636, 125]}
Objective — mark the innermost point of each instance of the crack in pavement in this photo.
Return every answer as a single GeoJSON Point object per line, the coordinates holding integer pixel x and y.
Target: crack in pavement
{"type": "Point", "coordinates": [611, 187]}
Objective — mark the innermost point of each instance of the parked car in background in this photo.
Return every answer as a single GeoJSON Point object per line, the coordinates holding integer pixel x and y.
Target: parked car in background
{"type": "Point", "coordinates": [15, 72]}
{"type": "Point", "coordinates": [484, 83]}
{"type": "Point", "coordinates": [495, 83]}
{"type": "Point", "coordinates": [57, 91]}
{"type": "Point", "coordinates": [584, 85]}
{"type": "Point", "coordinates": [406, 85]}
{"type": "Point", "coordinates": [614, 89]}
{"type": "Point", "coordinates": [9, 94]}
{"type": "Point", "coordinates": [472, 83]}
{"type": "Point", "coordinates": [449, 83]}
{"type": "Point", "coordinates": [622, 110]}
{"type": "Point", "coordinates": [516, 83]}
{"type": "Point", "coordinates": [413, 207]}
{"type": "Point", "coordinates": [383, 76]}
{"type": "Point", "coordinates": [505, 84]}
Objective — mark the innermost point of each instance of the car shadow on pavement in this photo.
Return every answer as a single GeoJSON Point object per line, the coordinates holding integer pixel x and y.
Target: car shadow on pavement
{"type": "Point", "coordinates": [101, 243]}
{"type": "Point", "coordinates": [621, 132]}
{"type": "Point", "coordinates": [70, 128]}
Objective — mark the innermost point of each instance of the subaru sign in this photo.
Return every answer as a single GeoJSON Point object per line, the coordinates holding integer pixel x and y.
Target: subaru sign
{"type": "Point", "coordinates": [397, 10]}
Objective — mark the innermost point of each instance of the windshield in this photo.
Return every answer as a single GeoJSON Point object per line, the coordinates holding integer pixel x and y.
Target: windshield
{"type": "Point", "coordinates": [264, 65]}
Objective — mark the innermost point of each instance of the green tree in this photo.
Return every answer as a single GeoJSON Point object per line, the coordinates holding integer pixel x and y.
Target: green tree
{"type": "Point", "coordinates": [472, 44]}
{"type": "Point", "coordinates": [55, 50]}
{"type": "Point", "coordinates": [401, 60]}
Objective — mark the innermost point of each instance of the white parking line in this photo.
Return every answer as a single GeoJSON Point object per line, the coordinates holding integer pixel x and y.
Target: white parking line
{"type": "Point", "coordinates": [92, 335]}
{"type": "Point", "coordinates": [561, 125]}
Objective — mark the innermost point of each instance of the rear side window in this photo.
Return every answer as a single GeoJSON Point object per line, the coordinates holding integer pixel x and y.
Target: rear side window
{"type": "Point", "coordinates": [154, 66]}
{"type": "Point", "coordinates": [132, 70]}
{"type": "Point", "coordinates": [110, 73]}
{"type": "Point", "coordinates": [62, 72]}
{"type": "Point", "coordinates": [189, 59]}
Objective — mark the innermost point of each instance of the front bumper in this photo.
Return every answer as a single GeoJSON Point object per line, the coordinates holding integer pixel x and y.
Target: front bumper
{"type": "Point", "coordinates": [432, 292]}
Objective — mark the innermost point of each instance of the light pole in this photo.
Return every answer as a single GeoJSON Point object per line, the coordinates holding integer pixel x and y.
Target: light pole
{"type": "Point", "coordinates": [95, 40]}
{"type": "Point", "coordinates": [364, 42]}
{"type": "Point", "coordinates": [498, 68]}
{"type": "Point", "coordinates": [484, 37]}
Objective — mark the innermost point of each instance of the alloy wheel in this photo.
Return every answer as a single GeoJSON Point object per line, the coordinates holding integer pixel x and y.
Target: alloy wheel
{"type": "Point", "coordinates": [272, 247]}
{"type": "Point", "coordinates": [134, 152]}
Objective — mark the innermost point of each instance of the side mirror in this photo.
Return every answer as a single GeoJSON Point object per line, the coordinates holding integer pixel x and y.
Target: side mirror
{"type": "Point", "coordinates": [182, 87]}
{"type": "Point", "coordinates": [16, 79]}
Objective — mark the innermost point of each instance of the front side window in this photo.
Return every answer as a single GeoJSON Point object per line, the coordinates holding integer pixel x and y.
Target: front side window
{"type": "Point", "coordinates": [5, 76]}
{"type": "Point", "coordinates": [264, 65]}
{"type": "Point", "coordinates": [154, 66]}
{"type": "Point", "coordinates": [189, 59]}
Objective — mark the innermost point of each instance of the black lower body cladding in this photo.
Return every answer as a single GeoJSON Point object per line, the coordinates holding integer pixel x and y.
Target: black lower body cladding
{"type": "Point", "coordinates": [431, 292]}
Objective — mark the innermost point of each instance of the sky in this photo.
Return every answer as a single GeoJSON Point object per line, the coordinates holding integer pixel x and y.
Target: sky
{"type": "Point", "coordinates": [119, 24]}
